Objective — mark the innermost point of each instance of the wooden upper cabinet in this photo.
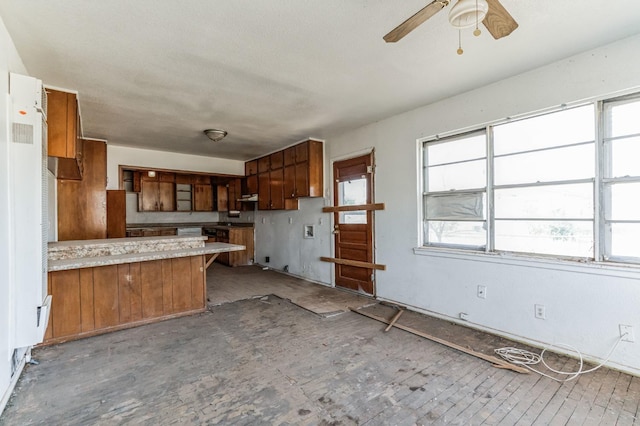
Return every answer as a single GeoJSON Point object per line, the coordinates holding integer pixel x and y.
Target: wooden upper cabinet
{"type": "Point", "coordinates": [251, 168]}
{"type": "Point", "coordinates": [277, 160]}
{"type": "Point", "coordinates": [290, 156]}
{"type": "Point", "coordinates": [62, 124]}
{"type": "Point", "coordinates": [235, 192]}
{"type": "Point", "coordinates": [202, 197]}
{"type": "Point", "coordinates": [295, 172]}
{"type": "Point", "coordinates": [264, 164]}
{"type": "Point", "coordinates": [156, 195]}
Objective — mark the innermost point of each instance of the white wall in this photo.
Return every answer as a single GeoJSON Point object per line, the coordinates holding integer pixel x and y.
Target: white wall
{"type": "Point", "coordinates": [126, 156]}
{"type": "Point", "coordinates": [584, 303]}
{"type": "Point", "coordinates": [9, 62]}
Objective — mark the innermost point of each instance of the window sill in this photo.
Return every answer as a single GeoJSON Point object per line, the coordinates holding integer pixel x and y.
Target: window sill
{"type": "Point", "coordinates": [528, 261]}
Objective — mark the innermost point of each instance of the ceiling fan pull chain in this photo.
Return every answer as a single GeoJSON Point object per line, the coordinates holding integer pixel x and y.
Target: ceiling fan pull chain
{"type": "Point", "coordinates": [477, 31]}
{"type": "Point", "coordinates": [460, 51]}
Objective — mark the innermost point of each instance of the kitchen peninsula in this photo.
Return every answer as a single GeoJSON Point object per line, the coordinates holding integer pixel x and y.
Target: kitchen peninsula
{"type": "Point", "coordinates": [98, 286]}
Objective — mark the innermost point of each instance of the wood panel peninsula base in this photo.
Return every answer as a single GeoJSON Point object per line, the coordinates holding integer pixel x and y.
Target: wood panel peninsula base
{"type": "Point", "coordinates": [99, 286]}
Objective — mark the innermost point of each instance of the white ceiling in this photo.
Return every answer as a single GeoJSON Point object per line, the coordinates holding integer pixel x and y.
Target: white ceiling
{"type": "Point", "coordinates": [155, 74]}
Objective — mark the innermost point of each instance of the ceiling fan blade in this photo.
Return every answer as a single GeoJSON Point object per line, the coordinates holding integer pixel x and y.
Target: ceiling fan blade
{"type": "Point", "coordinates": [412, 23]}
{"type": "Point", "coordinates": [498, 21]}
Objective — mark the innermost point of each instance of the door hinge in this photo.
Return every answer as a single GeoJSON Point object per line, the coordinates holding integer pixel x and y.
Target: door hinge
{"type": "Point", "coordinates": [371, 169]}
{"type": "Point", "coordinates": [373, 277]}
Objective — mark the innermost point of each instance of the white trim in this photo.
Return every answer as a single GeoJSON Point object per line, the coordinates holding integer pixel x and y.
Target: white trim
{"type": "Point", "coordinates": [587, 267]}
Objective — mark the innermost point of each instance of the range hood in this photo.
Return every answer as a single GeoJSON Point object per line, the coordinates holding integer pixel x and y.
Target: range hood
{"type": "Point", "coordinates": [249, 197]}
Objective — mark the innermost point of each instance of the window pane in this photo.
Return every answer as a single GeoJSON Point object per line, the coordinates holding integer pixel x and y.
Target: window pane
{"type": "Point", "coordinates": [622, 119]}
{"type": "Point", "coordinates": [358, 216]}
{"type": "Point", "coordinates": [551, 201]}
{"type": "Point", "coordinates": [625, 201]}
{"type": "Point", "coordinates": [625, 155]}
{"type": "Point", "coordinates": [456, 233]}
{"type": "Point", "coordinates": [353, 192]}
{"type": "Point", "coordinates": [576, 162]}
{"type": "Point", "coordinates": [558, 128]}
{"type": "Point", "coordinates": [456, 206]}
{"type": "Point", "coordinates": [452, 150]}
{"type": "Point", "coordinates": [564, 238]}
{"type": "Point", "coordinates": [624, 240]}
{"type": "Point", "coordinates": [468, 175]}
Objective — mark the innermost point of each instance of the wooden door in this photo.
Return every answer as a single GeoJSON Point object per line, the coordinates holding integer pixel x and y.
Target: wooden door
{"type": "Point", "coordinates": [353, 230]}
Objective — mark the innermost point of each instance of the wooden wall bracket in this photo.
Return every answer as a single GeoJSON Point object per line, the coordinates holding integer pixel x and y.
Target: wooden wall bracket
{"type": "Point", "coordinates": [355, 263]}
{"type": "Point", "coordinates": [334, 209]}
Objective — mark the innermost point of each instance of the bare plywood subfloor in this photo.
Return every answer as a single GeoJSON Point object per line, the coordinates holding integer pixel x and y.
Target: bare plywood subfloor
{"type": "Point", "coordinates": [225, 285]}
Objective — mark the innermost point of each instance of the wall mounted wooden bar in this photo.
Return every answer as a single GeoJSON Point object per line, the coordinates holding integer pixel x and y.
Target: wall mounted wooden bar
{"type": "Point", "coordinates": [354, 263]}
{"type": "Point", "coordinates": [333, 209]}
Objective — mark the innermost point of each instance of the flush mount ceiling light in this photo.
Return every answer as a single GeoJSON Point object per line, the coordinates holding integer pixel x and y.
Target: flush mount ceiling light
{"type": "Point", "coordinates": [215, 134]}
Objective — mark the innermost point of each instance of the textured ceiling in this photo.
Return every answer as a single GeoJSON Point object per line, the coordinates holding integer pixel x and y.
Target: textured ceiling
{"type": "Point", "coordinates": [154, 74]}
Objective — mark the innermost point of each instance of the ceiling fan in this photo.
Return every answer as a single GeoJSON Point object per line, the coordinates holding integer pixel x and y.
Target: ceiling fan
{"type": "Point", "coordinates": [497, 20]}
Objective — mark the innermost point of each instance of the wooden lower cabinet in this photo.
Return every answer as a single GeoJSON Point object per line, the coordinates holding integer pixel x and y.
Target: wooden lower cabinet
{"type": "Point", "coordinates": [242, 236]}
{"type": "Point", "coordinates": [91, 301]}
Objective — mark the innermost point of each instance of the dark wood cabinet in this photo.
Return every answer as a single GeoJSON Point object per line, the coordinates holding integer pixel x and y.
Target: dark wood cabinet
{"type": "Point", "coordinates": [290, 174]}
{"type": "Point", "coordinates": [251, 177]}
{"type": "Point", "coordinates": [157, 193]}
{"type": "Point", "coordinates": [202, 197]}
{"type": "Point", "coordinates": [235, 192]}
{"type": "Point", "coordinates": [116, 213]}
{"type": "Point", "coordinates": [91, 301]}
{"type": "Point", "coordinates": [236, 235]}
{"type": "Point", "coordinates": [64, 134]}
{"type": "Point", "coordinates": [82, 204]}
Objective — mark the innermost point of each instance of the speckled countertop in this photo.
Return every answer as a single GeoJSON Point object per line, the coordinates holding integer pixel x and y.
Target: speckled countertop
{"type": "Point", "coordinates": [89, 262]}
{"type": "Point", "coordinates": [67, 255]}
{"type": "Point", "coordinates": [188, 225]}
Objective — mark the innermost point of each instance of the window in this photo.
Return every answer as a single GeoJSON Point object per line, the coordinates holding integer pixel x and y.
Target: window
{"type": "Point", "coordinates": [546, 184]}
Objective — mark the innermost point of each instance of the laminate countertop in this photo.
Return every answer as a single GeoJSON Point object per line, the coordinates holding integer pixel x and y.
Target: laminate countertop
{"type": "Point", "coordinates": [91, 253]}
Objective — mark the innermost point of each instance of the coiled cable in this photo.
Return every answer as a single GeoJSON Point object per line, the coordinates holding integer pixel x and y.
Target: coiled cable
{"type": "Point", "coordinates": [526, 359]}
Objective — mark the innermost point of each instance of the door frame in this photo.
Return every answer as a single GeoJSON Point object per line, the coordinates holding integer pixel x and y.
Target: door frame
{"type": "Point", "coordinates": [331, 196]}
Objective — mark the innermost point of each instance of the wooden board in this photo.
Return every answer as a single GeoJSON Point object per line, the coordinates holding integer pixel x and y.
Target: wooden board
{"type": "Point", "coordinates": [352, 208]}
{"type": "Point", "coordinates": [497, 362]}
{"type": "Point", "coordinates": [354, 263]}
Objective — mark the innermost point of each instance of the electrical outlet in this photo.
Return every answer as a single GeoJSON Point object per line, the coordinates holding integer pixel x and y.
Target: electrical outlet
{"type": "Point", "coordinates": [482, 291]}
{"type": "Point", "coordinates": [540, 312]}
{"type": "Point", "coordinates": [626, 332]}
{"type": "Point", "coordinates": [290, 220]}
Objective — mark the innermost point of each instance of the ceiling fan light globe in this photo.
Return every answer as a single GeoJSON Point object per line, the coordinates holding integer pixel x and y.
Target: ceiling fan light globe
{"type": "Point", "coordinates": [463, 14]}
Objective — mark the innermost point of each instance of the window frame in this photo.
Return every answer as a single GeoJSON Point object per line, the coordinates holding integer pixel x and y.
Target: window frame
{"type": "Point", "coordinates": [601, 182]}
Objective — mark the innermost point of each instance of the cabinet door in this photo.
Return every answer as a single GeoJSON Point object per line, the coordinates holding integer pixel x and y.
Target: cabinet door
{"type": "Point", "coordinates": [61, 124]}
{"type": "Point", "coordinates": [235, 189]}
{"type": "Point", "coordinates": [302, 180]}
{"type": "Point", "coordinates": [302, 152]}
{"type": "Point", "coordinates": [203, 198]}
{"type": "Point", "coordinates": [148, 196]}
{"type": "Point", "coordinates": [166, 196]}
{"type": "Point", "coordinates": [252, 184]}
{"type": "Point", "coordinates": [251, 168]}
{"type": "Point", "coordinates": [276, 186]}
{"type": "Point", "coordinates": [223, 198]}
{"type": "Point", "coordinates": [264, 164]}
{"type": "Point", "coordinates": [264, 191]}
{"type": "Point", "coordinates": [290, 156]}
{"type": "Point", "coordinates": [290, 181]}
{"type": "Point", "coordinates": [277, 160]}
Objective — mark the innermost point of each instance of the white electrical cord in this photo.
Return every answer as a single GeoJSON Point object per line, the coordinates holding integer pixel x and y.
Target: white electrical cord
{"type": "Point", "coordinates": [527, 358]}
